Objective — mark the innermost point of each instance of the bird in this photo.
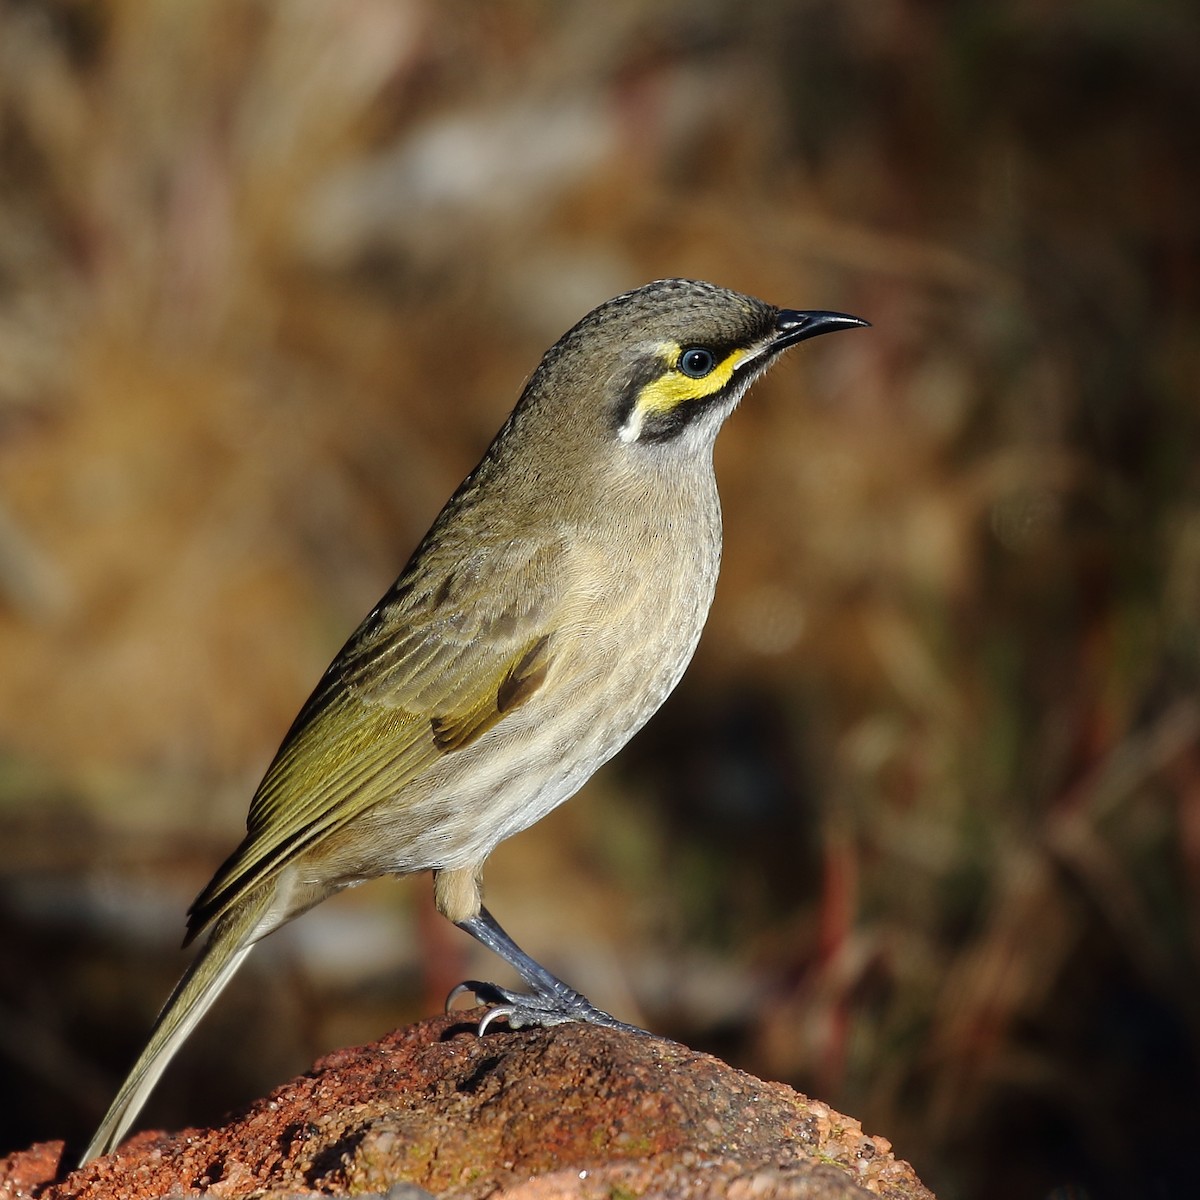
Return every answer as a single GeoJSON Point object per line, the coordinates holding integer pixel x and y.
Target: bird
{"type": "Point", "coordinates": [551, 608]}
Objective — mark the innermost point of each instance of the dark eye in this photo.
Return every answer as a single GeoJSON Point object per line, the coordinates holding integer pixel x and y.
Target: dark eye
{"type": "Point", "coordinates": [696, 362]}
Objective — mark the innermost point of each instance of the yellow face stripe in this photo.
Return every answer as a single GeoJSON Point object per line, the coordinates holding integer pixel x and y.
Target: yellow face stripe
{"type": "Point", "coordinates": [673, 387]}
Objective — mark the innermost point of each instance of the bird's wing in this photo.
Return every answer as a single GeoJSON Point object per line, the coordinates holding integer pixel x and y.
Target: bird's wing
{"type": "Point", "coordinates": [426, 674]}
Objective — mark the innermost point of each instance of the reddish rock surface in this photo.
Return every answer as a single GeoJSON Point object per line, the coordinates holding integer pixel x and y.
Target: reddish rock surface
{"type": "Point", "coordinates": [574, 1111]}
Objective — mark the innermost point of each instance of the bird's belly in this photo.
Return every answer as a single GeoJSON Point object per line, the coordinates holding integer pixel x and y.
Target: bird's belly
{"type": "Point", "coordinates": [608, 679]}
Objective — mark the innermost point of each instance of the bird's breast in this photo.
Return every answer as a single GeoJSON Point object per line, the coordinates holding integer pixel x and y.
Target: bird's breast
{"type": "Point", "coordinates": [631, 599]}
{"type": "Point", "coordinates": [629, 620]}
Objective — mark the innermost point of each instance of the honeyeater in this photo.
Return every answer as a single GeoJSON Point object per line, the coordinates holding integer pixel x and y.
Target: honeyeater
{"type": "Point", "coordinates": [545, 616]}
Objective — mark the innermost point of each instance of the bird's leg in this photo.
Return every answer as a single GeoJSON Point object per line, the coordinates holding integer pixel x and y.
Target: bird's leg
{"type": "Point", "coordinates": [549, 1002]}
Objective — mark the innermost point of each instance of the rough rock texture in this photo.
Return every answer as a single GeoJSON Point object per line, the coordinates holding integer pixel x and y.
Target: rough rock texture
{"type": "Point", "coordinates": [575, 1111]}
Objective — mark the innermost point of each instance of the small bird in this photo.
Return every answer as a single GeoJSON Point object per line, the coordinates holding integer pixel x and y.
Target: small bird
{"type": "Point", "coordinates": [548, 612]}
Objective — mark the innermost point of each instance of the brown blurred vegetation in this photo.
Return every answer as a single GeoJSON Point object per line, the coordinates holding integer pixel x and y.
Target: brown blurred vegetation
{"type": "Point", "coordinates": [920, 832]}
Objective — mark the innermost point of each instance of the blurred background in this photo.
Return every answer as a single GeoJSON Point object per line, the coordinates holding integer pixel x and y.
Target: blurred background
{"type": "Point", "coordinates": [920, 831]}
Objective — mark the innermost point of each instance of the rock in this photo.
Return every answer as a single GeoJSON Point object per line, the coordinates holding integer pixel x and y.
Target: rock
{"type": "Point", "coordinates": [574, 1111]}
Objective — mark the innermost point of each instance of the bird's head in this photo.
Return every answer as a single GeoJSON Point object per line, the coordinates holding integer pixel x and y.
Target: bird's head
{"type": "Point", "coordinates": [666, 363]}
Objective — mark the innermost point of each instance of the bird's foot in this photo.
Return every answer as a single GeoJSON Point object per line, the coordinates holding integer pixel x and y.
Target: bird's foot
{"type": "Point", "coordinates": [548, 1002]}
{"type": "Point", "coordinates": [553, 1006]}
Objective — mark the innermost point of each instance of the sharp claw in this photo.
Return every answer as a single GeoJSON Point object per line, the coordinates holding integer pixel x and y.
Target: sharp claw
{"type": "Point", "coordinates": [501, 1010]}
{"type": "Point", "coordinates": [484, 993]}
{"type": "Point", "coordinates": [459, 989]}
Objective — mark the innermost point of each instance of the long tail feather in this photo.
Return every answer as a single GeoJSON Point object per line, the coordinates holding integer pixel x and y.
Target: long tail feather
{"type": "Point", "coordinates": [230, 941]}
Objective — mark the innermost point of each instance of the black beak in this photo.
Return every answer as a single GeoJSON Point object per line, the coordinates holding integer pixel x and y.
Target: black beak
{"type": "Point", "coordinates": [796, 325]}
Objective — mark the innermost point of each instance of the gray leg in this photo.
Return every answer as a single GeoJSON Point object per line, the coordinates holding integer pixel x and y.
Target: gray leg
{"type": "Point", "coordinates": [550, 1001]}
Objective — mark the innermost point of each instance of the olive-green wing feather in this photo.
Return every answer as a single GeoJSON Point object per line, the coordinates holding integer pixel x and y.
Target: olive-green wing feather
{"type": "Point", "coordinates": [425, 675]}
{"type": "Point", "coordinates": [454, 730]}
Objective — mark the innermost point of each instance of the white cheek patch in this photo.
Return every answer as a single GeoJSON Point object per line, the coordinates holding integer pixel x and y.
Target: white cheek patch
{"type": "Point", "coordinates": [632, 429]}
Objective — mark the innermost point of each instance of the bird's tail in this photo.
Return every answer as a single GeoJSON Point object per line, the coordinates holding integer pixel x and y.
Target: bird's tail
{"type": "Point", "coordinates": [230, 941]}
